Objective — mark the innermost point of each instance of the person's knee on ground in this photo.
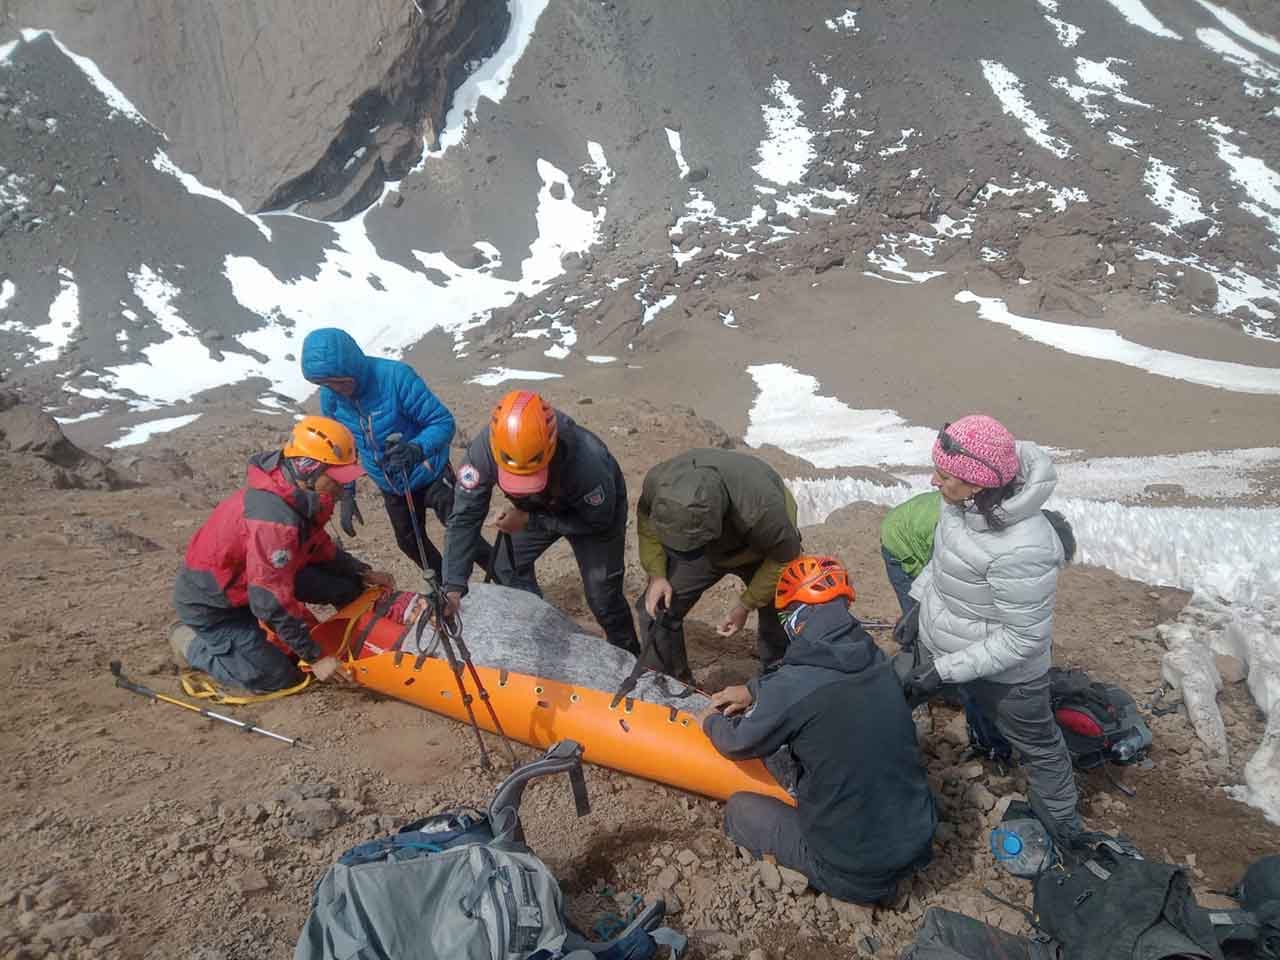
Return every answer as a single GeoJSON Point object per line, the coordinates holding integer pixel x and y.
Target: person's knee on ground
{"type": "Point", "coordinates": [247, 661]}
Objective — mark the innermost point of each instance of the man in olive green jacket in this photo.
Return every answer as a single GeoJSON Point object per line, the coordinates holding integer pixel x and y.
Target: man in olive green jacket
{"type": "Point", "coordinates": [703, 515]}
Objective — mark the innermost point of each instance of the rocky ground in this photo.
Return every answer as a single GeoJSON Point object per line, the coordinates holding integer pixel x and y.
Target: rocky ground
{"type": "Point", "coordinates": [139, 831]}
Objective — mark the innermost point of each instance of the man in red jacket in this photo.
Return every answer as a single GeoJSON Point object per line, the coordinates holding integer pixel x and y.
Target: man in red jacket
{"type": "Point", "coordinates": [262, 555]}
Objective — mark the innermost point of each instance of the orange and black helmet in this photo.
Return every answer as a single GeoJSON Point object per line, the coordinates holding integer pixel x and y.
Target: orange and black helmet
{"type": "Point", "coordinates": [326, 442]}
{"type": "Point", "coordinates": [522, 438]}
{"type": "Point", "coordinates": [810, 579]}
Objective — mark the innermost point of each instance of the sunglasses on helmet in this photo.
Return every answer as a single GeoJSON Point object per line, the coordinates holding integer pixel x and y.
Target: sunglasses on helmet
{"type": "Point", "coordinates": [951, 445]}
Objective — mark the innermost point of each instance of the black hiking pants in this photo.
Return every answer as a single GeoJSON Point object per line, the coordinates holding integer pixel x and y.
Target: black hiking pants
{"type": "Point", "coordinates": [602, 561]}
{"type": "Point", "coordinates": [438, 498]}
{"type": "Point", "coordinates": [690, 579]}
{"type": "Point", "coordinates": [231, 646]}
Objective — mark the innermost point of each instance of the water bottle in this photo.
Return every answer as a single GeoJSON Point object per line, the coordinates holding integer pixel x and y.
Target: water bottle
{"type": "Point", "coordinates": [1022, 847]}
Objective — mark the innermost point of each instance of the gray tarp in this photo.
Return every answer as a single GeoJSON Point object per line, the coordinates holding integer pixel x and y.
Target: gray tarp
{"type": "Point", "coordinates": [525, 634]}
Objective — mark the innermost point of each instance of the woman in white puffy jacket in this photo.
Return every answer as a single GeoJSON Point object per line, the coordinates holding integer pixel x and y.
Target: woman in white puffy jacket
{"type": "Point", "coordinates": [986, 597]}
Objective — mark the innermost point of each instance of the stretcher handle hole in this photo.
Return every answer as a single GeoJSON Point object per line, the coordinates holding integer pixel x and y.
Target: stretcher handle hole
{"type": "Point", "coordinates": [684, 722]}
{"type": "Point", "coordinates": [409, 682]}
{"type": "Point", "coordinates": [544, 704]}
{"type": "Point", "coordinates": [626, 727]}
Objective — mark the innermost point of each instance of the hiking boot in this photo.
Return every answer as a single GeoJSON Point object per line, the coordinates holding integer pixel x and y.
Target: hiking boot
{"type": "Point", "coordinates": [180, 639]}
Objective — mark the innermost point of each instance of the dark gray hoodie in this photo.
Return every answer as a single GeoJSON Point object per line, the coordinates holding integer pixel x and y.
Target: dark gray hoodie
{"type": "Point", "coordinates": [865, 806]}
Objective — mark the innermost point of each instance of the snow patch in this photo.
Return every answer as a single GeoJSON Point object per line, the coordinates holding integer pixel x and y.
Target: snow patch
{"type": "Point", "coordinates": [1241, 29]}
{"type": "Point", "coordinates": [653, 309]}
{"type": "Point", "coordinates": [787, 150]}
{"type": "Point", "coordinates": [1136, 12]}
{"type": "Point", "coordinates": [1248, 62]}
{"type": "Point", "coordinates": [1259, 181]}
{"type": "Point", "coordinates": [7, 290]}
{"type": "Point", "coordinates": [392, 312]}
{"type": "Point", "coordinates": [64, 319]}
{"type": "Point", "coordinates": [490, 79]}
{"type": "Point", "coordinates": [1008, 90]}
{"type": "Point", "coordinates": [729, 320]}
{"type": "Point", "coordinates": [1183, 207]}
{"type": "Point", "coordinates": [599, 164]}
{"type": "Point", "coordinates": [675, 142]}
{"type": "Point", "coordinates": [788, 412]}
{"type": "Point", "coordinates": [117, 102]}
{"type": "Point", "coordinates": [1100, 344]}
{"type": "Point", "coordinates": [847, 22]}
{"type": "Point", "coordinates": [495, 375]}
{"type": "Point", "coordinates": [164, 164]}
{"type": "Point", "coordinates": [1207, 627]}
{"type": "Point", "coordinates": [1068, 33]}
{"type": "Point", "coordinates": [145, 431]}
{"type": "Point", "coordinates": [600, 358]}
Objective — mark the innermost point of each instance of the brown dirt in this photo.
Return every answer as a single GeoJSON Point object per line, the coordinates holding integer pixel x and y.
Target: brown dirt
{"type": "Point", "coordinates": [168, 825]}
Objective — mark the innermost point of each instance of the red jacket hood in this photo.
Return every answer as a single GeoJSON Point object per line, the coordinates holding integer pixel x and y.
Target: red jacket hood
{"type": "Point", "coordinates": [266, 471]}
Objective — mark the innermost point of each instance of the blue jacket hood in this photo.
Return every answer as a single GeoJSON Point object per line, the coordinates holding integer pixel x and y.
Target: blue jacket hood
{"type": "Point", "coordinates": [329, 353]}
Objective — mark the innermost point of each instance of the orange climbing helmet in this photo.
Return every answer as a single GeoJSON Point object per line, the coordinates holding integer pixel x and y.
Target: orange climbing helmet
{"type": "Point", "coordinates": [810, 579]}
{"type": "Point", "coordinates": [326, 442]}
{"type": "Point", "coordinates": [522, 437]}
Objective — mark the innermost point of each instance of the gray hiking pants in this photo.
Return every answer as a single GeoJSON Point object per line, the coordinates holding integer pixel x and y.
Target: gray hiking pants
{"type": "Point", "coordinates": [231, 646]}
{"type": "Point", "coordinates": [1023, 715]}
{"type": "Point", "coordinates": [690, 579]}
{"type": "Point", "coordinates": [767, 826]}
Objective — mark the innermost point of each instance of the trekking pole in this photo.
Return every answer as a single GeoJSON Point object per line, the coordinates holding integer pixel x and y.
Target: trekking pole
{"type": "Point", "coordinates": [451, 632]}
{"type": "Point", "coordinates": [126, 684]}
{"type": "Point", "coordinates": [446, 637]}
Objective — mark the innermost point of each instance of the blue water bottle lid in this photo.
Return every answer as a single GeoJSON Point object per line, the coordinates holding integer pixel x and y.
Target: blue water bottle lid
{"type": "Point", "coordinates": [1011, 843]}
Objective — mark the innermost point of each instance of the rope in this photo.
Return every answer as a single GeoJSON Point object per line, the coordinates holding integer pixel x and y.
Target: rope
{"type": "Point", "coordinates": [201, 686]}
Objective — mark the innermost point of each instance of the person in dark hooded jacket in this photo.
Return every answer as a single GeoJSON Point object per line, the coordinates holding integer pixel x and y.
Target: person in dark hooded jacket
{"type": "Point", "coordinates": [380, 400]}
{"type": "Point", "coordinates": [864, 816]}
{"type": "Point", "coordinates": [703, 515]}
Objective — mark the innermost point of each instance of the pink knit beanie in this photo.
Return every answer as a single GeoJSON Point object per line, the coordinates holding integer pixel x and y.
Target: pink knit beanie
{"type": "Point", "coordinates": [985, 438]}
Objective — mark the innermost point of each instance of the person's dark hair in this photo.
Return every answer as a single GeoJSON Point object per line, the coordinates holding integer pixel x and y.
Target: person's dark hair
{"type": "Point", "coordinates": [988, 500]}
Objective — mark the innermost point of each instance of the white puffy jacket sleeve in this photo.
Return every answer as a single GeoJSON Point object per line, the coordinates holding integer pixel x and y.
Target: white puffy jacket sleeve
{"type": "Point", "coordinates": [1023, 589]}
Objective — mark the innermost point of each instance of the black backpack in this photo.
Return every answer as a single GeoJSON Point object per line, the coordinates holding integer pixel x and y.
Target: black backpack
{"type": "Point", "coordinates": [1103, 902]}
{"type": "Point", "coordinates": [1099, 721]}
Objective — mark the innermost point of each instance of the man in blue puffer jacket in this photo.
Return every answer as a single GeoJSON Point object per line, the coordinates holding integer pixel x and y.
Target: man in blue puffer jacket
{"type": "Point", "coordinates": [377, 399]}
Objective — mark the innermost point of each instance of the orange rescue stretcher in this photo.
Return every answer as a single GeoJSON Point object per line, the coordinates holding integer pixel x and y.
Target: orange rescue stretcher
{"type": "Point", "coordinates": [642, 739]}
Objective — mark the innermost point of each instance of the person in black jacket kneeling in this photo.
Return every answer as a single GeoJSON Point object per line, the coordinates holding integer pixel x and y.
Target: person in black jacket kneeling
{"type": "Point", "coordinates": [864, 816]}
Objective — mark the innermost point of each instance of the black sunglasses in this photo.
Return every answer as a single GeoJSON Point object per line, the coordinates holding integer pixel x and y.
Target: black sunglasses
{"type": "Point", "coordinates": [950, 444]}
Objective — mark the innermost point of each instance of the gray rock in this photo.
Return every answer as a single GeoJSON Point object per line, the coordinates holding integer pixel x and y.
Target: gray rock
{"type": "Point", "coordinates": [251, 881]}
{"type": "Point", "coordinates": [770, 876]}
{"type": "Point", "coordinates": [686, 858]}
{"type": "Point", "coordinates": [52, 893]}
{"type": "Point", "coordinates": [794, 880]}
{"type": "Point", "coordinates": [979, 796]}
{"type": "Point", "coordinates": [667, 878]}
{"type": "Point", "coordinates": [1198, 286]}
{"type": "Point", "coordinates": [1231, 669]}
{"type": "Point", "coordinates": [324, 791]}
{"type": "Point", "coordinates": [86, 926]}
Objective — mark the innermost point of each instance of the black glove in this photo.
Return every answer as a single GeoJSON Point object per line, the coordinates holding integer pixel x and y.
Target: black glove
{"type": "Point", "coordinates": [921, 683]}
{"type": "Point", "coordinates": [907, 630]}
{"type": "Point", "coordinates": [349, 510]}
{"type": "Point", "coordinates": [402, 457]}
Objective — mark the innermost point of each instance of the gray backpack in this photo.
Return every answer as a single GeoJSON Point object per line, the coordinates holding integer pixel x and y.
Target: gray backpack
{"type": "Point", "coordinates": [462, 885]}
